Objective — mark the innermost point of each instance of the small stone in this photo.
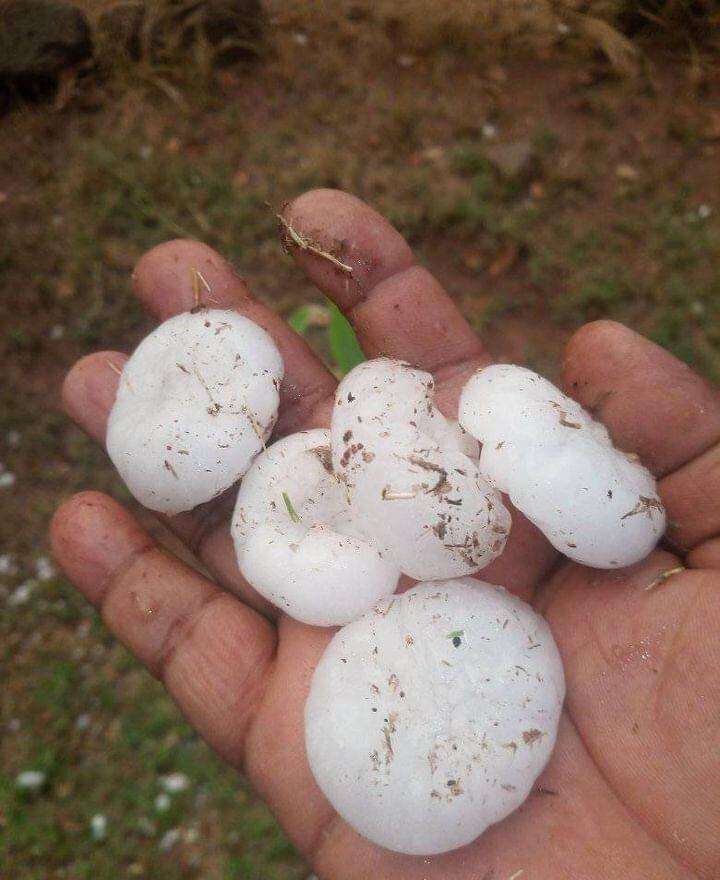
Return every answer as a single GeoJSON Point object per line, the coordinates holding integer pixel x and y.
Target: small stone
{"type": "Point", "coordinates": [14, 724]}
{"type": "Point", "coordinates": [7, 478]}
{"type": "Point", "coordinates": [44, 569]}
{"type": "Point", "coordinates": [704, 211]}
{"type": "Point", "coordinates": [57, 331]}
{"type": "Point", "coordinates": [162, 803]}
{"type": "Point", "coordinates": [489, 131]}
{"type": "Point", "coordinates": [174, 783]}
{"type": "Point", "coordinates": [83, 722]}
{"type": "Point", "coordinates": [512, 159]}
{"type": "Point", "coordinates": [98, 826]}
{"type": "Point", "coordinates": [406, 61]}
{"type": "Point", "coordinates": [13, 438]}
{"type": "Point", "coordinates": [20, 595]}
{"type": "Point", "coordinates": [30, 780]}
{"type": "Point", "coordinates": [7, 565]}
{"type": "Point", "coordinates": [626, 172]}
{"type": "Point", "coordinates": [300, 39]}
{"type": "Point", "coordinates": [169, 839]}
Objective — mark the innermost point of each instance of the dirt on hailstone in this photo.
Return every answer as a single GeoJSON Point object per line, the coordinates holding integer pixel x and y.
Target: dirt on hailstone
{"type": "Point", "coordinates": [613, 212]}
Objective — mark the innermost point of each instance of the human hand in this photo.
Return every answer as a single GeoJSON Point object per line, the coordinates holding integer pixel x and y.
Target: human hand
{"type": "Point", "coordinates": [633, 787]}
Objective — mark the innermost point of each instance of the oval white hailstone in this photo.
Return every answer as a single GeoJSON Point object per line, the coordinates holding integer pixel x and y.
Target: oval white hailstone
{"type": "Point", "coordinates": [596, 504]}
{"type": "Point", "coordinates": [195, 404]}
{"type": "Point", "coordinates": [416, 493]}
{"type": "Point", "coordinates": [430, 718]}
{"type": "Point", "coordinates": [293, 535]}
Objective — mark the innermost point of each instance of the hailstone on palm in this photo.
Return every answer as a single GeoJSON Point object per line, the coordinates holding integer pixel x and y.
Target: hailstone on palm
{"type": "Point", "coordinates": [416, 490]}
{"type": "Point", "coordinates": [430, 718]}
{"type": "Point", "coordinates": [196, 402]}
{"type": "Point", "coordinates": [595, 503]}
{"type": "Point", "coordinates": [294, 536]}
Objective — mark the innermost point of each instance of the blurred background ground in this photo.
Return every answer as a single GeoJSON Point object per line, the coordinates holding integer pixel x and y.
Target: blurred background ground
{"type": "Point", "coordinates": [551, 162]}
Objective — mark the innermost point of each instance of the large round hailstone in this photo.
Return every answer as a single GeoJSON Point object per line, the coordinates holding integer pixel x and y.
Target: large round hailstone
{"type": "Point", "coordinates": [596, 504]}
{"type": "Point", "coordinates": [293, 535]}
{"type": "Point", "coordinates": [416, 492]}
{"type": "Point", "coordinates": [195, 404]}
{"type": "Point", "coordinates": [430, 718]}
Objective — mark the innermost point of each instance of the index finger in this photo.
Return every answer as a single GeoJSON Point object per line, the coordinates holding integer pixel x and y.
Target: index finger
{"type": "Point", "coordinates": [168, 280]}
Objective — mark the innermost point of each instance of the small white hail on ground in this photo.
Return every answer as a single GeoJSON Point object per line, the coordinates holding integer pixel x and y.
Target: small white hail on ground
{"type": "Point", "coordinates": [596, 504]}
{"type": "Point", "coordinates": [196, 402]}
{"type": "Point", "coordinates": [416, 490]}
{"type": "Point", "coordinates": [430, 718]}
{"type": "Point", "coordinates": [293, 536]}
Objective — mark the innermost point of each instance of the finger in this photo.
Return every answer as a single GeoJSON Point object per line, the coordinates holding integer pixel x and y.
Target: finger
{"type": "Point", "coordinates": [396, 306]}
{"type": "Point", "coordinates": [651, 402]}
{"type": "Point", "coordinates": [166, 282]}
{"type": "Point", "coordinates": [88, 395]}
{"type": "Point", "coordinates": [692, 498]}
{"type": "Point", "coordinates": [211, 651]}
{"type": "Point", "coordinates": [643, 690]}
{"type": "Point", "coordinates": [399, 310]}
{"type": "Point", "coordinates": [706, 555]}
{"type": "Point", "coordinates": [656, 406]}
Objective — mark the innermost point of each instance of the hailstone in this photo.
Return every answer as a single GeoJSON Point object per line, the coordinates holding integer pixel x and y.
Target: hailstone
{"type": "Point", "coordinates": [430, 718]}
{"type": "Point", "coordinates": [195, 404]}
{"type": "Point", "coordinates": [595, 503]}
{"type": "Point", "coordinates": [294, 536]}
{"type": "Point", "coordinates": [417, 493]}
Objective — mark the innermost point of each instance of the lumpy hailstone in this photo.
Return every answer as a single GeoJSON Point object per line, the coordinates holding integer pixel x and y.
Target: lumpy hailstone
{"type": "Point", "coordinates": [596, 504]}
{"type": "Point", "coordinates": [416, 491]}
{"type": "Point", "coordinates": [195, 404]}
{"type": "Point", "coordinates": [430, 718]}
{"type": "Point", "coordinates": [292, 529]}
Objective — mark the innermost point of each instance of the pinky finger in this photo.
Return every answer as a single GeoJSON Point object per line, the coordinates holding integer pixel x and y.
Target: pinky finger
{"type": "Point", "coordinates": [212, 652]}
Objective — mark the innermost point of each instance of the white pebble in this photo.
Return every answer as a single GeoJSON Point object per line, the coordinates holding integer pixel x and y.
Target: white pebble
{"type": "Point", "coordinates": [195, 404]}
{"type": "Point", "coordinates": [169, 839]}
{"type": "Point", "coordinates": [98, 826]}
{"type": "Point", "coordinates": [83, 722]}
{"type": "Point", "coordinates": [430, 718]}
{"type": "Point", "coordinates": [13, 438]}
{"type": "Point", "coordinates": [162, 803]}
{"type": "Point", "coordinates": [415, 489]}
{"type": "Point", "coordinates": [30, 780]}
{"type": "Point", "coordinates": [57, 331]}
{"type": "Point", "coordinates": [44, 569]}
{"type": "Point", "coordinates": [7, 565]}
{"type": "Point", "coordinates": [7, 479]}
{"type": "Point", "coordinates": [174, 783]}
{"type": "Point", "coordinates": [293, 535]}
{"type": "Point", "coordinates": [20, 595]}
{"type": "Point", "coordinates": [596, 504]}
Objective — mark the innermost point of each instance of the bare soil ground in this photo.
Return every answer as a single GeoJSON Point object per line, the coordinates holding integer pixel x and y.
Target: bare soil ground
{"type": "Point", "coordinates": [614, 213]}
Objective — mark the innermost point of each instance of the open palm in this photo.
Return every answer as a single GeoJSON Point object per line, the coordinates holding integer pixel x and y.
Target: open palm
{"type": "Point", "coordinates": [633, 788]}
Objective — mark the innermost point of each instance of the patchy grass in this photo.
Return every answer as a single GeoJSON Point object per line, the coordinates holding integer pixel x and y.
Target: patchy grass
{"type": "Point", "coordinates": [618, 215]}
